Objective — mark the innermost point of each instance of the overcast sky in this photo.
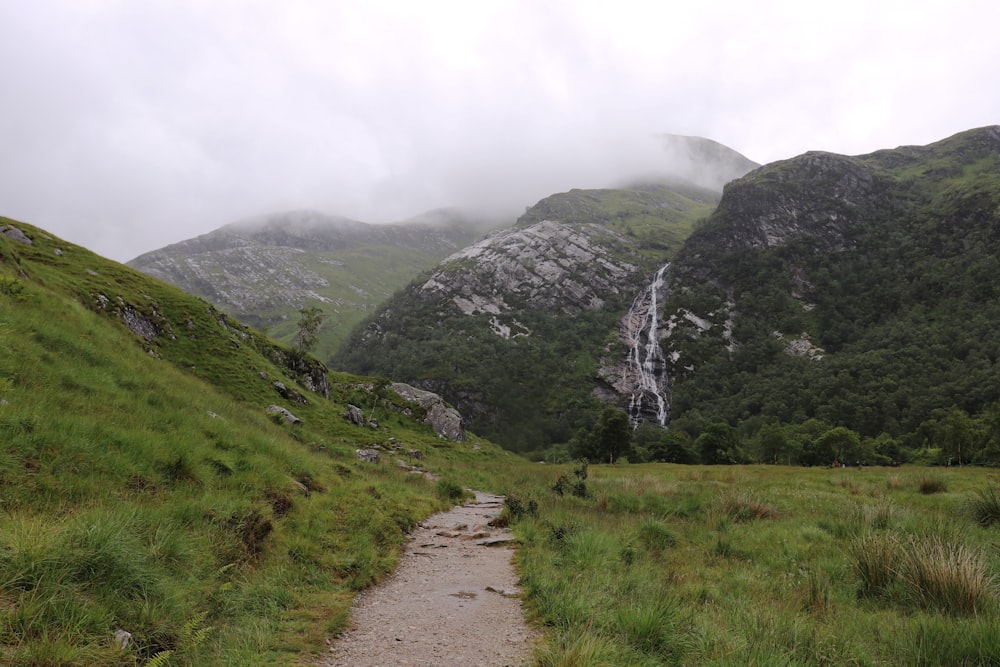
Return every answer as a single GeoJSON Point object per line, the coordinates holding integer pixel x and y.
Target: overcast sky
{"type": "Point", "coordinates": [126, 125]}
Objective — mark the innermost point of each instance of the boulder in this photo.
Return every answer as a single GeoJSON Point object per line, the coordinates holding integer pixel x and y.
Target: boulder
{"type": "Point", "coordinates": [368, 455]}
{"type": "Point", "coordinates": [446, 421]}
{"type": "Point", "coordinates": [15, 234]}
{"type": "Point", "coordinates": [355, 415]}
{"type": "Point", "coordinates": [288, 393]}
{"type": "Point", "coordinates": [288, 416]}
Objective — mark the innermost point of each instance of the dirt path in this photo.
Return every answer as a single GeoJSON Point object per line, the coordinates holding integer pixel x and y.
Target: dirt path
{"type": "Point", "coordinates": [451, 601]}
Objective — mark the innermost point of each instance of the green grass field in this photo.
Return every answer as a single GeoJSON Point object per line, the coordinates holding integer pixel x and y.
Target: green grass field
{"type": "Point", "coordinates": [760, 565]}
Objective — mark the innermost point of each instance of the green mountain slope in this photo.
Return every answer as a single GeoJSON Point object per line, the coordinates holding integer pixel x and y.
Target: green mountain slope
{"type": "Point", "coordinates": [264, 270]}
{"type": "Point", "coordinates": [146, 488]}
{"type": "Point", "coordinates": [512, 330]}
{"type": "Point", "coordinates": [860, 291]}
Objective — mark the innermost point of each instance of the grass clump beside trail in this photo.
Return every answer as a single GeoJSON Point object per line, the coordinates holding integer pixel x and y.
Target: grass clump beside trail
{"type": "Point", "coordinates": [662, 564]}
{"type": "Point", "coordinates": [154, 513]}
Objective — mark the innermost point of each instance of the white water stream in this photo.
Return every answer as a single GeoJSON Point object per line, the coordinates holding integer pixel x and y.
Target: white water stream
{"type": "Point", "coordinates": [646, 363]}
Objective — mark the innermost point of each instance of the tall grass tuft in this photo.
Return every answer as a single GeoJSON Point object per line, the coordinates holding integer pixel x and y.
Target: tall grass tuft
{"type": "Point", "coordinates": [985, 505]}
{"type": "Point", "coordinates": [581, 649]}
{"type": "Point", "coordinates": [930, 484]}
{"type": "Point", "coordinates": [949, 577]}
{"type": "Point", "coordinates": [875, 516]}
{"type": "Point", "coordinates": [875, 558]}
{"type": "Point", "coordinates": [930, 572]}
{"type": "Point", "coordinates": [655, 628]}
{"type": "Point", "coordinates": [656, 536]}
{"type": "Point", "coordinates": [743, 506]}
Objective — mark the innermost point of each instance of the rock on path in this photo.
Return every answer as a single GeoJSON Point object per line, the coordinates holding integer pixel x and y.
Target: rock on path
{"type": "Point", "coordinates": [452, 600]}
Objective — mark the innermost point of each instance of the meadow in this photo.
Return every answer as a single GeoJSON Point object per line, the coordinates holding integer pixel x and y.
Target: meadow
{"type": "Point", "coordinates": [663, 564]}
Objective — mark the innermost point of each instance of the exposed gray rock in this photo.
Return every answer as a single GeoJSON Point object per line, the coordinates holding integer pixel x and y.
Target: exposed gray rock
{"type": "Point", "coordinates": [288, 416]}
{"type": "Point", "coordinates": [554, 265]}
{"type": "Point", "coordinates": [288, 393]}
{"type": "Point", "coordinates": [355, 415]}
{"type": "Point", "coordinates": [139, 324]}
{"type": "Point", "coordinates": [15, 234]}
{"type": "Point", "coordinates": [446, 421]}
{"type": "Point", "coordinates": [367, 455]}
{"type": "Point", "coordinates": [123, 638]}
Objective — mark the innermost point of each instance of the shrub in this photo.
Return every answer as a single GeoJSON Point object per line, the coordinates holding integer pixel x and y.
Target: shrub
{"type": "Point", "coordinates": [12, 287]}
{"type": "Point", "coordinates": [514, 509]}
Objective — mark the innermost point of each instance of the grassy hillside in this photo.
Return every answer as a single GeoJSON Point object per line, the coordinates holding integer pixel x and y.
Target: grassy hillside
{"type": "Point", "coordinates": [145, 488]}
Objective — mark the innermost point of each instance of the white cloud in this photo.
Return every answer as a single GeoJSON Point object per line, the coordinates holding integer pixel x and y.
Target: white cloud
{"type": "Point", "coordinates": [128, 125]}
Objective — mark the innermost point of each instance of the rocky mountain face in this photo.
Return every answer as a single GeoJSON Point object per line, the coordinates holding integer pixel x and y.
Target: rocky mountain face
{"type": "Point", "coordinates": [264, 270]}
{"type": "Point", "coordinates": [512, 329]}
{"type": "Point", "coordinates": [856, 290]}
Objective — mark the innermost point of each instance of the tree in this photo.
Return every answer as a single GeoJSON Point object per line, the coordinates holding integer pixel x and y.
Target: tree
{"type": "Point", "coordinates": [774, 445]}
{"type": "Point", "coordinates": [309, 324]}
{"type": "Point", "coordinates": [840, 443]}
{"type": "Point", "coordinates": [609, 440]}
{"type": "Point", "coordinates": [718, 445]}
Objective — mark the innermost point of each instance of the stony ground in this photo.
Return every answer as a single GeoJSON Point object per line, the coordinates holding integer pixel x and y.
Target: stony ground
{"type": "Point", "coordinates": [451, 602]}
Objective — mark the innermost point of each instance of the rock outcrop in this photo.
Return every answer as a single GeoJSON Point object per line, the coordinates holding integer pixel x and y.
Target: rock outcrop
{"type": "Point", "coordinates": [446, 421]}
{"type": "Point", "coordinates": [548, 265]}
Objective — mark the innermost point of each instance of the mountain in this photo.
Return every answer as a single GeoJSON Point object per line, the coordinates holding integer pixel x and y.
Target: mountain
{"type": "Point", "coordinates": [855, 291]}
{"type": "Point", "coordinates": [264, 270]}
{"type": "Point", "coordinates": [704, 162]}
{"type": "Point", "coordinates": [174, 481]}
{"type": "Point", "coordinates": [512, 329]}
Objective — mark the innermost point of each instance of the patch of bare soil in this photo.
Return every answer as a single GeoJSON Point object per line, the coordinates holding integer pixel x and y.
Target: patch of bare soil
{"type": "Point", "coordinates": [452, 601]}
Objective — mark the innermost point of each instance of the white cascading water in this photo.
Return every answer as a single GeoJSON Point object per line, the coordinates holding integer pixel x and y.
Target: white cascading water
{"type": "Point", "coordinates": [646, 362]}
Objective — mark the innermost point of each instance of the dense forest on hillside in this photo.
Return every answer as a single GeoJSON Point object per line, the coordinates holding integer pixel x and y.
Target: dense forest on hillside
{"type": "Point", "coordinates": [903, 306]}
{"type": "Point", "coordinates": [519, 391]}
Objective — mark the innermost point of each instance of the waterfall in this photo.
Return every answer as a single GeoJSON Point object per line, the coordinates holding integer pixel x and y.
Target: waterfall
{"type": "Point", "coordinates": [646, 363]}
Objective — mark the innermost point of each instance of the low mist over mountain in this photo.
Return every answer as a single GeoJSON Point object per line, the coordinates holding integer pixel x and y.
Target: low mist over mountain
{"type": "Point", "coordinates": [703, 162]}
{"type": "Point", "coordinates": [264, 270]}
{"type": "Point", "coordinates": [522, 330]}
{"type": "Point", "coordinates": [852, 291]}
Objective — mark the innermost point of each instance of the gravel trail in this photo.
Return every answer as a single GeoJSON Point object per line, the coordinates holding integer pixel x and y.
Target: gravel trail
{"type": "Point", "coordinates": [452, 601]}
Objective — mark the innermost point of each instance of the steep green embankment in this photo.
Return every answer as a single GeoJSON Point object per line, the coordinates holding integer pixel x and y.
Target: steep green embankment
{"type": "Point", "coordinates": [146, 489]}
